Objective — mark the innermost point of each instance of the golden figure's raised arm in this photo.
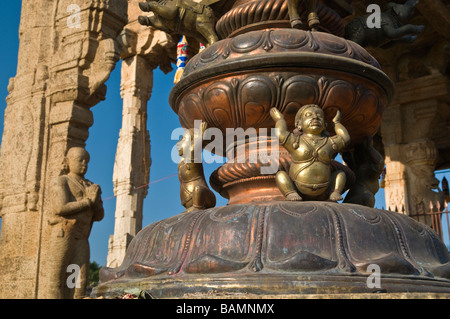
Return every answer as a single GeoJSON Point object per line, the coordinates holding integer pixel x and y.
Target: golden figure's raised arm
{"type": "Point", "coordinates": [341, 131]}
{"type": "Point", "coordinates": [280, 125]}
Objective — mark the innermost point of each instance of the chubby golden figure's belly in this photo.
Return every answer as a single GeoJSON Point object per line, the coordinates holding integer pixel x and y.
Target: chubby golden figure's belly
{"type": "Point", "coordinates": [186, 191]}
{"type": "Point", "coordinates": [310, 178]}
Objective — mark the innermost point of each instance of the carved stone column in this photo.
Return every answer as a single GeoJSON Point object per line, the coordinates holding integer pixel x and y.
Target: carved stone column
{"type": "Point", "coordinates": [132, 165]}
{"type": "Point", "coordinates": [82, 62]}
{"type": "Point", "coordinates": [421, 157]}
{"type": "Point", "coordinates": [142, 50]}
{"type": "Point", "coordinates": [22, 149]}
{"type": "Point", "coordinates": [411, 154]}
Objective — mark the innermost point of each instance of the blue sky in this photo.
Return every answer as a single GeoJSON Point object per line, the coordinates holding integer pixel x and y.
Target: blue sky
{"type": "Point", "coordinates": [163, 197]}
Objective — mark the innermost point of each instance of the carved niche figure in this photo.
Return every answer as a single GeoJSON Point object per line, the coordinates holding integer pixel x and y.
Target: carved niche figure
{"type": "Point", "coordinates": [420, 157]}
{"type": "Point", "coordinates": [294, 16]}
{"type": "Point", "coordinates": [182, 17]}
{"type": "Point", "coordinates": [194, 192]}
{"type": "Point", "coordinates": [367, 164]}
{"type": "Point", "coordinates": [425, 189]}
{"type": "Point", "coordinates": [75, 204]}
{"type": "Point", "coordinates": [392, 28]}
{"type": "Point", "coordinates": [312, 150]}
{"type": "Point", "coordinates": [436, 61]}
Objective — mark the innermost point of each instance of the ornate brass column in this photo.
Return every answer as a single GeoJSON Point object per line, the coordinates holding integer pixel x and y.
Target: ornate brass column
{"type": "Point", "coordinates": [262, 242]}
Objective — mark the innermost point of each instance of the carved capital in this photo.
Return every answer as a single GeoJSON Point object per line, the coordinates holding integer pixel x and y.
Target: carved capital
{"type": "Point", "coordinates": [423, 187]}
{"type": "Point", "coordinates": [421, 152]}
{"type": "Point", "coordinates": [127, 42]}
{"type": "Point", "coordinates": [158, 48]}
{"type": "Point", "coordinates": [136, 78]}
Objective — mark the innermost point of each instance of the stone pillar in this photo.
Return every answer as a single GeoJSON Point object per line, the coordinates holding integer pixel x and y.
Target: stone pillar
{"type": "Point", "coordinates": [142, 50]}
{"type": "Point", "coordinates": [22, 149]}
{"type": "Point", "coordinates": [65, 57]}
{"type": "Point", "coordinates": [395, 187]}
{"type": "Point", "coordinates": [421, 157]}
{"type": "Point", "coordinates": [132, 164]}
{"type": "Point", "coordinates": [411, 154]}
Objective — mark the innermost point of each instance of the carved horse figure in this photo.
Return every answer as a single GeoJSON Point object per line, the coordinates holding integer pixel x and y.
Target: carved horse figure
{"type": "Point", "coordinates": [197, 20]}
{"type": "Point", "coordinates": [392, 29]}
{"type": "Point", "coordinates": [182, 17]}
{"type": "Point", "coordinates": [294, 16]}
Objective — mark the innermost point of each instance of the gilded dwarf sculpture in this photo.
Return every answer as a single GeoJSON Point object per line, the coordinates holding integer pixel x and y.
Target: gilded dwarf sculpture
{"type": "Point", "coordinates": [194, 192]}
{"type": "Point", "coordinates": [312, 150]}
{"type": "Point", "coordinates": [296, 22]}
{"type": "Point", "coordinates": [76, 205]}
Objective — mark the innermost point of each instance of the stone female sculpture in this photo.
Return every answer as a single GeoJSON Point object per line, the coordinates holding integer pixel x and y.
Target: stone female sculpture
{"type": "Point", "coordinates": [75, 204]}
{"type": "Point", "coordinates": [194, 192]}
{"type": "Point", "coordinates": [312, 150]}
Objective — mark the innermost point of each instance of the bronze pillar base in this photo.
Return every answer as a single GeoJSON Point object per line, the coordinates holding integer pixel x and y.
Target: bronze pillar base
{"type": "Point", "coordinates": [282, 248]}
{"type": "Point", "coordinates": [275, 286]}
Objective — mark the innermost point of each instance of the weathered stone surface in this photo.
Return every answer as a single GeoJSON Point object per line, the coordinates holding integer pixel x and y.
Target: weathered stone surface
{"type": "Point", "coordinates": [62, 68]}
{"type": "Point", "coordinates": [74, 206]}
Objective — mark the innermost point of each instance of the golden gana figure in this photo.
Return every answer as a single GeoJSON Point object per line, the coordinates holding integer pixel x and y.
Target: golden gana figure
{"type": "Point", "coordinates": [312, 150]}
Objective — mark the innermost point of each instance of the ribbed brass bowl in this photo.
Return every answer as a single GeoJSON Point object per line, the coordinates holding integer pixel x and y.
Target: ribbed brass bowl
{"type": "Point", "coordinates": [234, 82]}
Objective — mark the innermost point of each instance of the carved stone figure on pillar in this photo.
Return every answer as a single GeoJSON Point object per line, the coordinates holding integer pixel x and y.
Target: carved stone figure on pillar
{"type": "Point", "coordinates": [75, 205]}
{"type": "Point", "coordinates": [312, 150]}
{"type": "Point", "coordinates": [391, 29]}
{"type": "Point", "coordinates": [194, 192]}
{"type": "Point", "coordinates": [420, 157]}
